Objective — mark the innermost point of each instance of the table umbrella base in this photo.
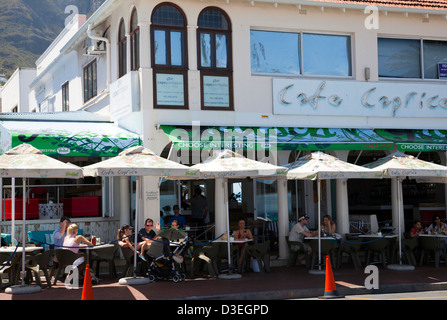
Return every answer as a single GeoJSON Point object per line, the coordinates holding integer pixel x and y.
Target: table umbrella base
{"type": "Point", "coordinates": [317, 271]}
{"type": "Point", "coordinates": [132, 281]}
{"type": "Point", "coordinates": [400, 267]}
{"type": "Point", "coordinates": [229, 276]}
{"type": "Point", "coordinates": [23, 289]}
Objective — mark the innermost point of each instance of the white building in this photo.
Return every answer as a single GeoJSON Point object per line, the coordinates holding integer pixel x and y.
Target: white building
{"type": "Point", "coordinates": [15, 92]}
{"type": "Point", "coordinates": [338, 76]}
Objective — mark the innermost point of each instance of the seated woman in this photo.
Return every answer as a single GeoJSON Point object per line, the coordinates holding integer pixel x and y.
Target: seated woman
{"type": "Point", "coordinates": [437, 226]}
{"type": "Point", "coordinates": [126, 240]}
{"type": "Point", "coordinates": [240, 234]}
{"type": "Point", "coordinates": [328, 226]}
{"type": "Point", "coordinates": [73, 241]}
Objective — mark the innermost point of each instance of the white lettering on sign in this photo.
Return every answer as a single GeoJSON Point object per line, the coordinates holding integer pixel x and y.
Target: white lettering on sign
{"type": "Point", "coordinates": [343, 98]}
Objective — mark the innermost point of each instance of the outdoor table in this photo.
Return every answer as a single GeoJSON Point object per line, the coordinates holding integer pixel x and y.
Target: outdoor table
{"type": "Point", "coordinates": [234, 240]}
{"type": "Point", "coordinates": [96, 247]}
{"type": "Point", "coordinates": [433, 235]}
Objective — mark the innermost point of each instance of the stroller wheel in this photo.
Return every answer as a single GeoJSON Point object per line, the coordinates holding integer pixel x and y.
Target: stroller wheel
{"type": "Point", "coordinates": [182, 276]}
{"type": "Point", "coordinates": [151, 277]}
{"type": "Point", "coordinates": [176, 278]}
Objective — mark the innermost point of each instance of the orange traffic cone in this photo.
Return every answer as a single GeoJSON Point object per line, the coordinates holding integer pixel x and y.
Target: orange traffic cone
{"type": "Point", "coordinates": [330, 290]}
{"type": "Point", "coordinates": [87, 291]}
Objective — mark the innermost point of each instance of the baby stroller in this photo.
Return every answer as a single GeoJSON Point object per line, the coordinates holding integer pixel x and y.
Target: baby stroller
{"type": "Point", "coordinates": [166, 264]}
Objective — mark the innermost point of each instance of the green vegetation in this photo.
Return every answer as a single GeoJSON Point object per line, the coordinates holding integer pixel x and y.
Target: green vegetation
{"type": "Point", "coordinates": [27, 27]}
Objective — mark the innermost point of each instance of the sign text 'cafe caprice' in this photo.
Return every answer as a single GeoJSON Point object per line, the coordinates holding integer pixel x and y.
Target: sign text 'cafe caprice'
{"type": "Point", "coordinates": [343, 98]}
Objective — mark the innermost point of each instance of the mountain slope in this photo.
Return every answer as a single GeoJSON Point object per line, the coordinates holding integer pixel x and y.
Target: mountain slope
{"type": "Point", "coordinates": [27, 27]}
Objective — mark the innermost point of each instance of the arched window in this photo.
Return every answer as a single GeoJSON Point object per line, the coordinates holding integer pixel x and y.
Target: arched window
{"type": "Point", "coordinates": [169, 56]}
{"type": "Point", "coordinates": [122, 50]}
{"type": "Point", "coordinates": [134, 41]}
{"type": "Point", "coordinates": [214, 59]}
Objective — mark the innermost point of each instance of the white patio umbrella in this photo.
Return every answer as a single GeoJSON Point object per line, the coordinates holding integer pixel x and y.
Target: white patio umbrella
{"type": "Point", "coordinates": [138, 161]}
{"type": "Point", "coordinates": [321, 166]}
{"type": "Point", "coordinates": [228, 164]}
{"type": "Point", "coordinates": [398, 166]}
{"type": "Point", "coordinates": [25, 161]}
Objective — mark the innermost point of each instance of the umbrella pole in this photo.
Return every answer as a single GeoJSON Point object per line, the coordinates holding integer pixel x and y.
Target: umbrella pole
{"type": "Point", "coordinates": [227, 210]}
{"type": "Point", "coordinates": [23, 229]}
{"type": "Point", "coordinates": [13, 210]}
{"type": "Point", "coordinates": [400, 266]}
{"type": "Point", "coordinates": [137, 209]}
{"type": "Point", "coordinates": [318, 223]}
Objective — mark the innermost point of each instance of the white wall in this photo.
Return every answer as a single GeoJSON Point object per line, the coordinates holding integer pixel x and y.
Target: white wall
{"type": "Point", "coordinates": [16, 90]}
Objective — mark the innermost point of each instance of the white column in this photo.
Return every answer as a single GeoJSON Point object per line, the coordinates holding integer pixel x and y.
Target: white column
{"type": "Point", "coordinates": [150, 200]}
{"type": "Point", "coordinates": [220, 209]}
{"type": "Point", "coordinates": [283, 219]}
{"type": "Point", "coordinates": [124, 201]}
{"type": "Point", "coordinates": [342, 206]}
{"type": "Point", "coordinates": [342, 198]}
{"type": "Point", "coordinates": [145, 44]}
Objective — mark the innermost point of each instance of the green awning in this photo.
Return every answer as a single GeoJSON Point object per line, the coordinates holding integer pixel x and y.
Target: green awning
{"type": "Point", "coordinates": [416, 140]}
{"type": "Point", "coordinates": [288, 138]}
{"type": "Point", "coordinates": [274, 138]}
{"type": "Point", "coordinates": [65, 138]}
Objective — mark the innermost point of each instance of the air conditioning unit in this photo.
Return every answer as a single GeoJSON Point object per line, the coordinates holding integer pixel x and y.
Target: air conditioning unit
{"type": "Point", "coordinates": [95, 47]}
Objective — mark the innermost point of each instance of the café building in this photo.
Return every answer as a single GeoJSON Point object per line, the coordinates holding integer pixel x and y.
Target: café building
{"type": "Point", "coordinates": [273, 80]}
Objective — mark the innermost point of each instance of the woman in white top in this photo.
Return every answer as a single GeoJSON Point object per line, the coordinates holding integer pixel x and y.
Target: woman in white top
{"type": "Point", "coordinates": [73, 241]}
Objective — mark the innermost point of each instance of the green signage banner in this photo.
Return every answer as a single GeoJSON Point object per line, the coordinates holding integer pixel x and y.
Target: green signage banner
{"type": "Point", "coordinates": [89, 139]}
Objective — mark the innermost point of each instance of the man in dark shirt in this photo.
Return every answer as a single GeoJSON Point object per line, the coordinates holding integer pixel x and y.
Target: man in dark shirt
{"type": "Point", "coordinates": [147, 233]}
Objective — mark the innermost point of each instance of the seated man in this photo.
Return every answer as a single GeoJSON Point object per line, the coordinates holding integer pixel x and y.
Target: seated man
{"type": "Point", "coordinates": [181, 219]}
{"type": "Point", "coordinates": [147, 233]}
{"type": "Point", "coordinates": [300, 231]}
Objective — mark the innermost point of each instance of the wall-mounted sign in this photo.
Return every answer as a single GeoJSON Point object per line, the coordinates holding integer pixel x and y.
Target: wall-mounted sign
{"type": "Point", "coordinates": [170, 89]}
{"type": "Point", "coordinates": [355, 98]}
{"type": "Point", "coordinates": [216, 91]}
{"type": "Point", "coordinates": [442, 70]}
{"type": "Point", "coordinates": [125, 95]}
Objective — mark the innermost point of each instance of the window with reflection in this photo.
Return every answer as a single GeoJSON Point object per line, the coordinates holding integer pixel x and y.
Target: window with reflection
{"type": "Point", "coordinates": [435, 53]}
{"type": "Point", "coordinates": [169, 56]}
{"type": "Point", "coordinates": [297, 53]}
{"type": "Point", "coordinates": [134, 41]}
{"type": "Point", "coordinates": [122, 50]}
{"type": "Point", "coordinates": [411, 58]}
{"type": "Point", "coordinates": [214, 59]}
{"type": "Point", "coordinates": [399, 58]}
{"type": "Point", "coordinates": [275, 52]}
{"type": "Point", "coordinates": [328, 55]}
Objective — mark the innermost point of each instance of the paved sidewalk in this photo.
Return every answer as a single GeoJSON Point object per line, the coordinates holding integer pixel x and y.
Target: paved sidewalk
{"type": "Point", "coordinates": [278, 284]}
